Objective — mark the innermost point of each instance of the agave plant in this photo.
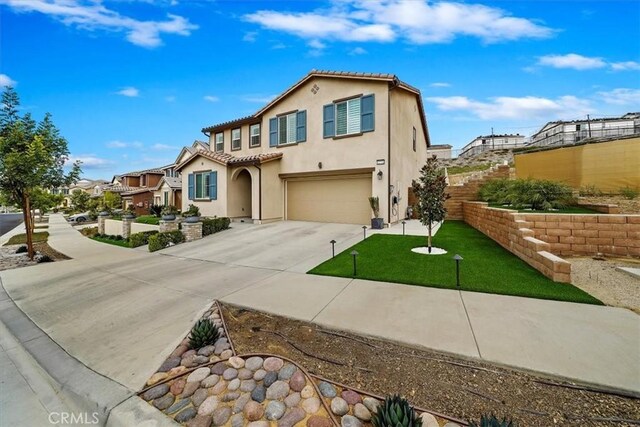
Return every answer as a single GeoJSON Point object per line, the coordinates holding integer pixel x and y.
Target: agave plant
{"type": "Point", "coordinates": [203, 333]}
{"type": "Point", "coordinates": [492, 421]}
{"type": "Point", "coordinates": [396, 412]}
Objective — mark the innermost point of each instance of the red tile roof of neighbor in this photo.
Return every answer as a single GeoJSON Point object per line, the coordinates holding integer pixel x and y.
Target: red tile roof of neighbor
{"type": "Point", "coordinates": [227, 159]}
{"type": "Point", "coordinates": [391, 78]}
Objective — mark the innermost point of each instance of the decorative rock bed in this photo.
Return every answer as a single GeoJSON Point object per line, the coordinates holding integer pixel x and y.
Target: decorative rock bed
{"type": "Point", "coordinates": [212, 386]}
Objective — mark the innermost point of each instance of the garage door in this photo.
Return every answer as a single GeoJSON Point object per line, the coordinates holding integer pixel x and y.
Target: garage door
{"type": "Point", "coordinates": [341, 199]}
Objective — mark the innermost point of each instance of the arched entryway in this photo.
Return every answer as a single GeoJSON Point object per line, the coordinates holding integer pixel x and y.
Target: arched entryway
{"type": "Point", "coordinates": [240, 194]}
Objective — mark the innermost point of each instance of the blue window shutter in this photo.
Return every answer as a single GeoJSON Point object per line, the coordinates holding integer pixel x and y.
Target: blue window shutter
{"type": "Point", "coordinates": [367, 113]}
{"type": "Point", "coordinates": [329, 126]}
{"type": "Point", "coordinates": [301, 126]}
{"type": "Point", "coordinates": [213, 185]}
{"type": "Point", "coordinates": [273, 132]}
{"type": "Point", "coordinates": [191, 187]}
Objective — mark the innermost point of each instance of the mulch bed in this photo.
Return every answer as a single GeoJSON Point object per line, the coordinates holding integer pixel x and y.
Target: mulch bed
{"type": "Point", "coordinates": [456, 386]}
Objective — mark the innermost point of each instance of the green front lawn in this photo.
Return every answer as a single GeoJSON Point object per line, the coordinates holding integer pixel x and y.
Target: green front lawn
{"type": "Point", "coordinates": [123, 243]}
{"type": "Point", "coordinates": [148, 219]}
{"type": "Point", "coordinates": [21, 239]}
{"type": "Point", "coordinates": [486, 267]}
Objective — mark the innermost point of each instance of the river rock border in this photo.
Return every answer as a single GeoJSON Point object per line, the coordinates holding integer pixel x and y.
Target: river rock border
{"type": "Point", "coordinates": [213, 386]}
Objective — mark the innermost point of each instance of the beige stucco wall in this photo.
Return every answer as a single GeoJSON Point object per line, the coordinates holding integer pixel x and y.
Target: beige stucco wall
{"type": "Point", "coordinates": [160, 193]}
{"type": "Point", "coordinates": [405, 163]}
{"type": "Point", "coordinates": [335, 154]}
{"type": "Point", "coordinates": [272, 192]}
{"type": "Point", "coordinates": [240, 195]}
{"type": "Point", "coordinates": [139, 228]}
{"type": "Point", "coordinates": [113, 227]}
{"type": "Point", "coordinates": [207, 207]}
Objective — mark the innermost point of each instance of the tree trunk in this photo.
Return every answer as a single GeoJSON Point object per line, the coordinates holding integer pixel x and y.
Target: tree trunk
{"type": "Point", "coordinates": [28, 225]}
{"type": "Point", "coordinates": [429, 237]}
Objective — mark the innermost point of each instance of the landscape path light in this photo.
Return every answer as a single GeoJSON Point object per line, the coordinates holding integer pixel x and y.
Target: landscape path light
{"type": "Point", "coordinates": [364, 231]}
{"type": "Point", "coordinates": [333, 248]}
{"type": "Point", "coordinates": [354, 254]}
{"type": "Point", "coordinates": [458, 258]}
{"type": "Point", "coordinates": [403, 223]}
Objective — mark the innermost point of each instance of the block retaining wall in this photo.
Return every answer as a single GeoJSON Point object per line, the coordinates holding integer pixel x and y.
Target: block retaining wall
{"type": "Point", "coordinates": [469, 191]}
{"type": "Point", "coordinates": [508, 229]}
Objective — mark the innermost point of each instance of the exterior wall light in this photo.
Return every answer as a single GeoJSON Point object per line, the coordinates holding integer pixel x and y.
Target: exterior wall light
{"type": "Point", "coordinates": [380, 174]}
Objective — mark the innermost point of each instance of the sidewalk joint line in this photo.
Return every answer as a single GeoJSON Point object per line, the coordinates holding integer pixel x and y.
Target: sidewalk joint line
{"type": "Point", "coordinates": [473, 334]}
{"type": "Point", "coordinates": [332, 299]}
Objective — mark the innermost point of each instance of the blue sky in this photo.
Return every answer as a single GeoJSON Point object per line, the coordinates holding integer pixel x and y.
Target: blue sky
{"type": "Point", "coordinates": [129, 82]}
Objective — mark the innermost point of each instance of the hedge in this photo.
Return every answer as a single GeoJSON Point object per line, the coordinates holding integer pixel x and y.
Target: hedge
{"type": "Point", "coordinates": [141, 239]}
{"type": "Point", "coordinates": [213, 225]}
{"type": "Point", "coordinates": [161, 240]}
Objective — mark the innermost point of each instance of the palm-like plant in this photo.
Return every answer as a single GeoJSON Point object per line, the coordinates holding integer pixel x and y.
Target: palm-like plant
{"type": "Point", "coordinates": [396, 412]}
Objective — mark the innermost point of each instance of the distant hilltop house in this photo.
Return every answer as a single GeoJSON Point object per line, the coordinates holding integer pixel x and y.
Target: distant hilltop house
{"type": "Point", "coordinates": [441, 151]}
{"type": "Point", "coordinates": [492, 142]}
{"type": "Point", "coordinates": [570, 132]}
{"type": "Point", "coordinates": [317, 152]}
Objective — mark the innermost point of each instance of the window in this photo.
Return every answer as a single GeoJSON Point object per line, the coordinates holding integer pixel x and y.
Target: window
{"type": "Point", "coordinates": [254, 132]}
{"type": "Point", "coordinates": [219, 142]}
{"type": "Point", "coordinates": [414, 138]}
{"type": "Point", "coordinates": [349, 117]}
{"type": "Point", "coordinates": [235, 139]}
{"type": "Point", "coordinates": [166, 198]}
{"type": "Point", "coordinates": [288, 129]}
{"type": "Point", "coordinates": [203, 185]}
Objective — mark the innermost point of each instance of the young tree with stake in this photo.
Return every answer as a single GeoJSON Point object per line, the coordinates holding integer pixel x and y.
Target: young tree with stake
{"type": "Point", "coordinates": [430, 192]}
{"type": "Point", "coordinates": [32, 156]}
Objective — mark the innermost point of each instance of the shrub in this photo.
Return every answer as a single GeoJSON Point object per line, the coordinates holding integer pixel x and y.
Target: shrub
{"type": "Point", "coordinates": [169, 210]}
{"type": "Point", "coordinates": [22, 250]}
{"type": "Point", "coordinates": [590, 191]}
{"type": "Point", "coordinates": [44, 258]}
{"type": "Point", "coordinates": [162, 240]}
{"type": "Point", "coordinates": [192, 211]}
{"type": "Point", "coordinates": [213, 225]}
{"type": "Point", "coordinates": [141, 239]}
{"type": "Point", "coordinates": [629, 193]}
{"type": "Point", "coordinates": [203, 333]}
{"type": "Point", "coordinates": [492, 421]}
{"type": "Point", "coordinates": [534, 194]}
{"type": "Point", "coordinates": [396, 411]}
{"type": "Point", "coordinates": [89, 231]}
{"type": "Point", "coordinates": [155, 210]}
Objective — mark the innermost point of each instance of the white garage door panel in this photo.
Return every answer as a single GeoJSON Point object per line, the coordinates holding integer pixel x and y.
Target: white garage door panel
{"type": "Point", "coordinates": [340, 200]}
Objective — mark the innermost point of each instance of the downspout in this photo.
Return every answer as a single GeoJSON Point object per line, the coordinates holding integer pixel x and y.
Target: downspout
{"type": "Point", "coordinates": [389, 194]}
{"type": "Point", "coordinates": [259, 191]}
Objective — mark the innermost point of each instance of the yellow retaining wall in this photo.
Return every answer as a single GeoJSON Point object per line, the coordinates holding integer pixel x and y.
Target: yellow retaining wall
{"type": "Point", "coordinates": [609, 165]}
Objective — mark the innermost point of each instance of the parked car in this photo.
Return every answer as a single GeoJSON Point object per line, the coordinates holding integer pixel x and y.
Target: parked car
{"type": "Point", "coordinates": [79, 218]}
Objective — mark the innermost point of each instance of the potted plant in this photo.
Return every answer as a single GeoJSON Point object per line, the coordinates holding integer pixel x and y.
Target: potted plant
{"type": "Point", "coordinates": [192, 214]}
{"type": "Point", "coordinates": [169, 213]}
{"type": "Point", "coordinates": [376, 222]}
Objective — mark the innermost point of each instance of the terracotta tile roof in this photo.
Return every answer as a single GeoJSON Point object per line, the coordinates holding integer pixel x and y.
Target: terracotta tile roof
{"type": "Point", "coordinates": [225, 125]}
{"type": "Point", "coordinates": [227, 159]}
{"type": "Point", "coordinates": [138, 190]}
{"type": "Point", "coordinates": [142, 172]}
{"type": "Point", "coordinates": [118, 188]}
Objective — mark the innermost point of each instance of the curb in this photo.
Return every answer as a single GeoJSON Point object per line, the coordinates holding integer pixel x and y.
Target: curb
{"type": "Point", "coordinates": [85, 391]}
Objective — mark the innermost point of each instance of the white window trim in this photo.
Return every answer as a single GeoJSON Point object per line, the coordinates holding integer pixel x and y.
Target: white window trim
{"type": "Point", "coordinates": [205, 186]}
{"type": "Point", "coordinates": [251, 135]}
{"type": "Point", "coordinates": [291, 124]}
{"type": "Point", "coordinates": [238, 139]}
{"type": "Point", "coordinates": [219, 142]}
{"type": "Point", "coordinates": [347, 102]}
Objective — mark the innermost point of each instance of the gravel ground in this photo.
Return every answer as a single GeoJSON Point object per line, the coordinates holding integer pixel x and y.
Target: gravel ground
{"type": "Point", "coordinates": [627, 206]}
{"type": "Point", "coordinates": [10, 260]}
{"type": "Point", "coordinates": [455, 386]}
{"type": "Point", "coordinates": [602, 280]}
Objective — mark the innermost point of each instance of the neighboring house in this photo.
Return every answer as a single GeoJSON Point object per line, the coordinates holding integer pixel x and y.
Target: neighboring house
{"type": "Point", "coordinates": [86, 185]}
{"type": "Point", "coordinates": [492, 142]}
{"type": "Point", "coordinates": [142, 185]}
{"type": "Point", "coordinates": [441, 151]}
{"type": "Point", "coordinates": [168, 192]}
{"type": "Point", "coordinates": [317, 152]}
{"type": "Point", "coordinates": [570, 132]}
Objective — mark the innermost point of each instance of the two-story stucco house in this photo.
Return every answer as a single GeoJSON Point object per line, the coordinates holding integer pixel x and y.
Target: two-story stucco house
{"type": "Point", "coordinates": [317, 152]}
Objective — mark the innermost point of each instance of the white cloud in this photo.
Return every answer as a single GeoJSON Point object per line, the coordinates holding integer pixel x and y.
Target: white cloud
{"type": "Point", "coordinates": [317, 44]}
{"type": "Point", "coordinates": [259, 99]}
{"type": "Point", "coordinates": [250, 36]}
{"type": "Point", "coordinates": [416, 21]}
{"type": "Point", "coordinates": [625, 66]}
{"type": "Point", "coordinates": [440, 84]}
{"type": "Point", "coordinates": [506, 107]}
{"type": "Point", "coordinates": [170, 98]}
{"type": "Point", "coordinates": [123, 144]}
{"type": "Point", "coordinates": [162, 147]}
{"type": "Point", "coordinates": [622, 96]}
{"type": "Point", "coordinates": [90, 161]}
{"type": "Point", "coordinates": [6, 81]}
{"type": "Point", "coordinates": [93, 15]}
{"type": "Point", "coordinates": [571, 60]}
{"type": "Point", "coordinates": [211, 98]}
{"type": "Point", "coordinates": [357, 51]}
{"type": "Point", "coordinates": [130, 92]}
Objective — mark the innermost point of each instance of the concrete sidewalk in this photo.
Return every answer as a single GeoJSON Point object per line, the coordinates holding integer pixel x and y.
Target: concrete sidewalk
{"type": "Point", "coordinates": [121, 311]}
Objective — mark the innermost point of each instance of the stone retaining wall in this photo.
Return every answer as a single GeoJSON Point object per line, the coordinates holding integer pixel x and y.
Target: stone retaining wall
{"type": "Point", "coordinates": [508, 229]}
{"type": "Point", "coordinates": [469, 190]}
{"type": "Point", "coordinates": [613, 235]}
